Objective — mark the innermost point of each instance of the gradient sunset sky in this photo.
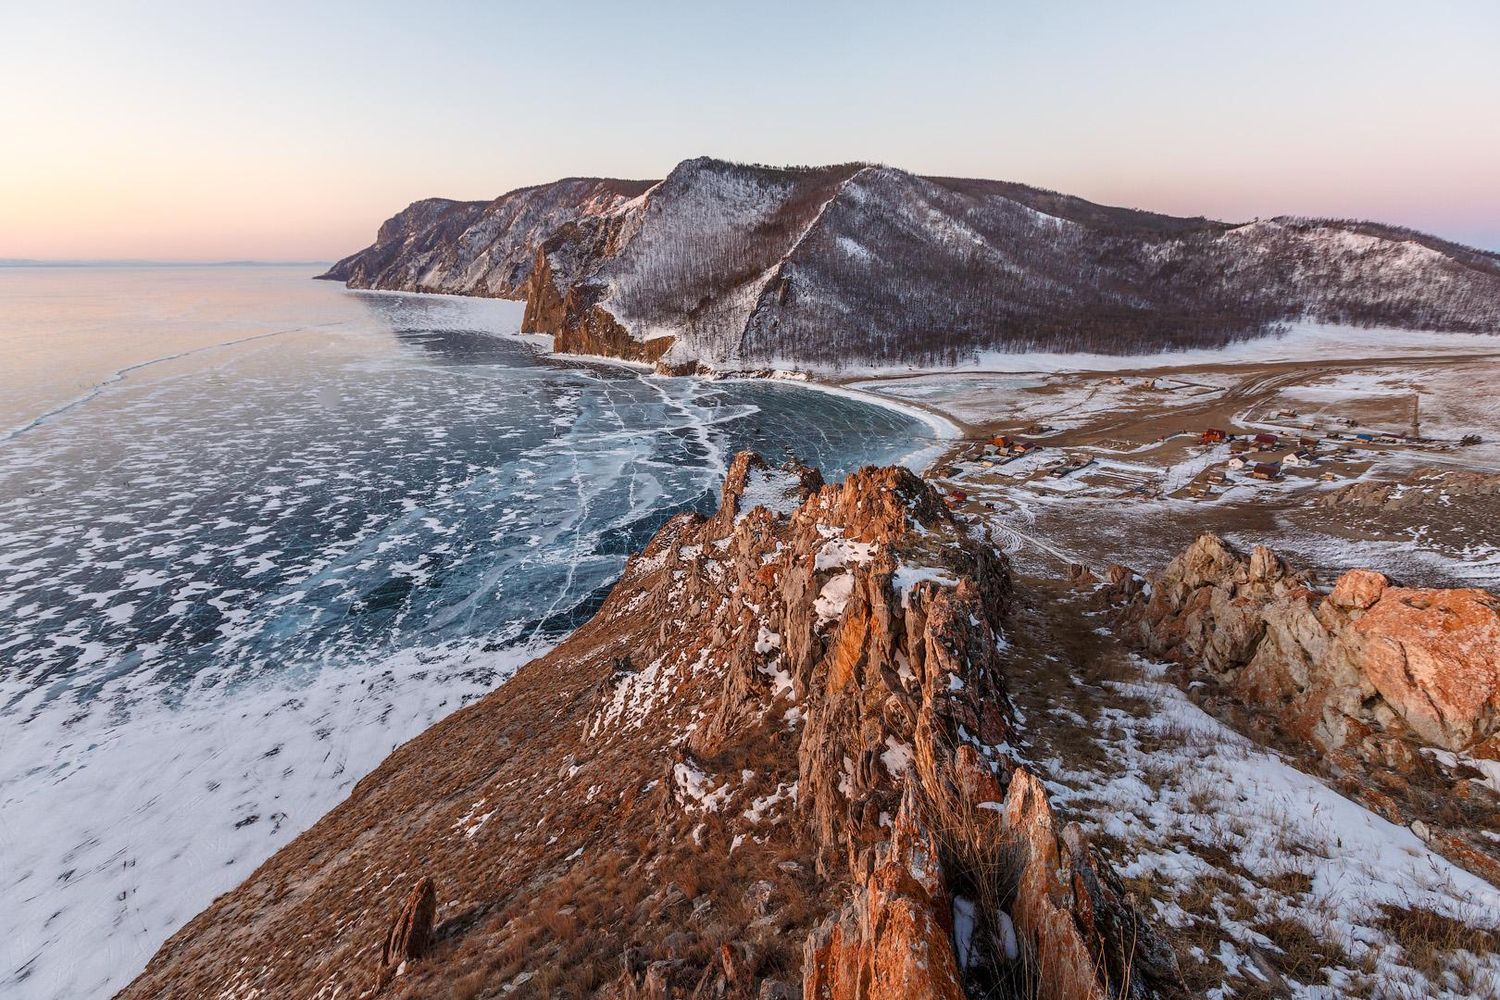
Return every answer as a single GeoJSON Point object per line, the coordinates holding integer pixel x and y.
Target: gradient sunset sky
{"type": "Point", "coordinates": [196, 131]}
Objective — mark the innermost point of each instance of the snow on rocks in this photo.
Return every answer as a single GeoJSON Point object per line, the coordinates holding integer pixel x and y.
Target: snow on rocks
{"type": "Point", "coordinates": [697, 789]}
{"type": "Point", "coordinates": [1183, 790]}
{"type": "Point", "coordinates": [839, 552]}
{"type": "Point", "coordinates": [761, 808]}
{"type": "Point", "coordinates": [908, 576]}
{"type": "Point", "coordinates": [774, 489]}
{"type": "Point", "coordinates": [833, 597]}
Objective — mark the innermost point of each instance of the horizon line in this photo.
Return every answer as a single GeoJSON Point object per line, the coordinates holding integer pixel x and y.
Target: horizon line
{"type": "Point", "coordinates": [23, 262]}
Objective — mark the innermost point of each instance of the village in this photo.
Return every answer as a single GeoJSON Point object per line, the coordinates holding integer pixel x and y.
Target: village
{"type": "Point", "coordinates": [1298, 453]}
{"type": "Point", "coordinates": [1154, 459]}
{"type": "Point", "coordinates": [1260, 446]}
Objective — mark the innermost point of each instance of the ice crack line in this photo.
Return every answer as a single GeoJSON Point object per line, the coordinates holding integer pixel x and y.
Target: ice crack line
{"type": "Point", "coordinates": [119, 375]}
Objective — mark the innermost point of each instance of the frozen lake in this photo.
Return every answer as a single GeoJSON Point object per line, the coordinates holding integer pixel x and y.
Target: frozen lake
{"type": "Point", "coordinates": [256, 530]}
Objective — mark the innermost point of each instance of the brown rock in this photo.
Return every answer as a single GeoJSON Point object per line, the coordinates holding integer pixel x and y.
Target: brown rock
{"type": "Point", "coordinates": [893, 939]}
{"type": "Point", "coordinates": [411, 931]}
{"type": "Point", "coordinates": [1043, 910]}
{"type": "Point", "coordinates": [1459, 850]}
{"type": "Point", "coordinates": [1431, 656]}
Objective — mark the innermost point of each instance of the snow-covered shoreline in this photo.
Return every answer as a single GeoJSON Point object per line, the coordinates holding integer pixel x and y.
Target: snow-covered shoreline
{"type": "Point", "coordinates": [1302, 342]}
{"type": "Point", "coordinates": [919, 459]}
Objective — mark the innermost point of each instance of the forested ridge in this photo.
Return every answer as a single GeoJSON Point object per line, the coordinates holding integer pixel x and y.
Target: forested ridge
{"type": "Point", "coordinates": [749, 266]}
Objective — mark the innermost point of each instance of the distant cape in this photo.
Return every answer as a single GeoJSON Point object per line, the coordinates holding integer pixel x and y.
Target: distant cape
{"type": "Point", "coordinates": [731, 267]}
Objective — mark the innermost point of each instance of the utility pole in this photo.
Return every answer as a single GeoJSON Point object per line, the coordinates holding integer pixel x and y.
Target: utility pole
{"type": "Point", "coordinates": [1416, 423]}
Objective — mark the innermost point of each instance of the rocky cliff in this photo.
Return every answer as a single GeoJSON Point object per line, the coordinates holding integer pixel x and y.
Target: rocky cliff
{"type": "Point", "coordinates": [780, 761]}
{"type": "Point", "coordinates": [737, 267]}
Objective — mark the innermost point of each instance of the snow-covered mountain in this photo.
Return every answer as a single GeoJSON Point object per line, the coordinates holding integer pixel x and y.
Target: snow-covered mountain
{"type": "Point", "coordinates": [732, 266]}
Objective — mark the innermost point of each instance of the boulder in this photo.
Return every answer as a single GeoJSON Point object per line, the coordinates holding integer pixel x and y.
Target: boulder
{"type": "Point", "coordinates": [1357, 589]}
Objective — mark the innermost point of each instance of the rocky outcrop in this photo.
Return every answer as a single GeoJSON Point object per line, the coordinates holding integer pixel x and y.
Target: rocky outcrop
{"type": "Point", "coordinates": [894, 938]}
{"type": "Point", "coordinates": [780, 756]}
{"type": "Point", "coordinates": [1390, 693]}
{"type": "Point", "coordinates": [1369, 655]}
{"type": "Point", "coordinates": [577, 322]}
{"type": "Point", "coordinates": [1433, 656]}
{"type": "Point", "coordinates": [411, 932]}
{"type": "Point", "coordinates": [738, 267]}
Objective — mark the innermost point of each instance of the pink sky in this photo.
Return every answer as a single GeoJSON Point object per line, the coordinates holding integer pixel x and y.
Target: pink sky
{"type": "Point", "coordinates": [176, 131]}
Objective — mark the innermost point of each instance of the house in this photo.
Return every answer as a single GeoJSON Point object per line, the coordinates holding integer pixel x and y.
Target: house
{"type": "Point", "coordinates": [1239, 446]}
{"type": "Point", "coordinates": [1286, 413]}
{"type": "Point", "coordinates": [1266, 470]}
{"type": "Point", "coordinates": [1000, 441]}
{"type": "Point", "coordinates": [1364, 437]}
{"type": "Point", "coordinates": [1266, 440]}
{"type": "Point", "coordinates": [1293, 461]}
{"type": "Point", "coordinates": [1308, 442]}
{"type": "Point", "coordinates": [1068, 468]}
{"type": "Point", "coordinates": [1213, 436]}
{"type": "Point", "coordinates": [1021, 447]}
{"type": "Point", "coordinates": [958, 495]}
{"type": "Point", "coordinates": [1236, 463]}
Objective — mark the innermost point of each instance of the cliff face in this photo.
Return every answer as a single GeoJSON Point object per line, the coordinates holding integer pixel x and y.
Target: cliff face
{"type": "Point", "coordinates": [478, 248]}
{"type": "Point", "coordinates": [780, 761]}
{"type": "Point", "coordinates": [733, 266]}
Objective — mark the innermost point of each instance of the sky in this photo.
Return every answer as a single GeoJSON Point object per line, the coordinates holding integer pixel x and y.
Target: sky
{"type": "Point", "coordinates": [270, 130]}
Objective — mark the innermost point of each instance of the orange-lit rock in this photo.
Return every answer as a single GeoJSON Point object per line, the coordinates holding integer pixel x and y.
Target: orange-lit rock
{"type": "Point", "coordinates": [1434, 656]}
{"type": "Point", "coordinates": [1334, 666]}
{"type": "Point", "coordinates": [893, 939]}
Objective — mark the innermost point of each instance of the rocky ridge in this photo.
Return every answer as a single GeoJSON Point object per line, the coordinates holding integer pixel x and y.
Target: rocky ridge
{"type": "Point", "coordinates": [725, 266]}
{"type": "Point", "coordinates": [779, 761]}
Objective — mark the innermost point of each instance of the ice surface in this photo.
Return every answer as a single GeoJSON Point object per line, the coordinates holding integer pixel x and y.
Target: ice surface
{"type": "Point", "coordinates": [236, 580]}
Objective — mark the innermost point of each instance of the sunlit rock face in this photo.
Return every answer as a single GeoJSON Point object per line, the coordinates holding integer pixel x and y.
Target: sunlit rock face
{"type": "Point", "coordinates": [1369, 653]}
